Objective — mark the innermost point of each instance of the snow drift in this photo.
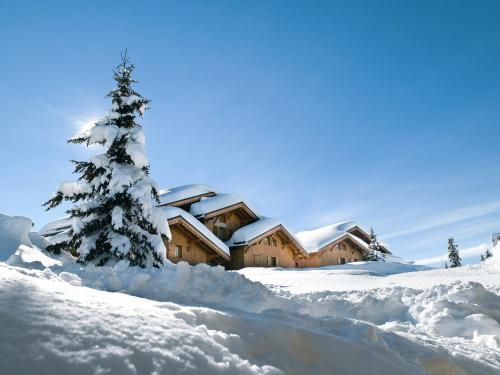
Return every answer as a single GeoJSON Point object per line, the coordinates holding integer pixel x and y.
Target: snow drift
{"type": "Point", "coordinates": [60, 316]}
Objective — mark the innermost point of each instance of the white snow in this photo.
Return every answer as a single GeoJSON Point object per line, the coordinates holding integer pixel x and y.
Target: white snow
{"type": "Point", "coordinates": [247, 233]}
{"type": "Point", "coordinates": [211, 204]}
{"type": "Point", "coordinates": [314, 240]}
{"type": "Point", "coordinates": [178, 193]}
{"type": "Point", "coordinates": [57, 316]}
{"type": "Point", "coordinates": [172, 212]}
{"type": "Point", "coordinates": [14, 232]}
{"type": "Point", "coordinates": [56, 226]}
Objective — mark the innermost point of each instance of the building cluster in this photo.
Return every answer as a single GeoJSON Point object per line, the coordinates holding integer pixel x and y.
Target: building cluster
{"type": "Point", "coordinates": [223, 229]}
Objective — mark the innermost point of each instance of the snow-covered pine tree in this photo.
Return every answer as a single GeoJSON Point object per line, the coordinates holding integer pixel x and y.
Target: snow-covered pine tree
{"type": "Point", "coordinates": [482, 258]}
{"type": "Point", "coordinates": [371, 254]}
{"type": "Point", "coordinates": [453, 254]}
{"type": "Point", "coordinates": [488, 254]}
{"type": "Point", "coordinates": [115, 215]}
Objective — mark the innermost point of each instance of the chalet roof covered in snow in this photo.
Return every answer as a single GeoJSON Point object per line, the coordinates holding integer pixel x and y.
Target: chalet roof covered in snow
{"type": "Point", "coordinates": [316, 239]}
{"type": "Point", "coordinates": [173, 212]}
{"type": "Point", "coordinates": [245, 235]}
{"type": "Point", "coordinates": [179, 193]}
{"type": "Point", "coordinates": [211, 204]}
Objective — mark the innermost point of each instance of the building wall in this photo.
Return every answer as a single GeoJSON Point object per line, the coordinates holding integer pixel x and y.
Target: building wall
{"type": "Point", "coordinates": [193, 253]}
{"type": "Point", "coordinates": [261, 254]}
{"type": "Point", "coordinates": [233, 222]}
{"type": "Point", "coordinates": [333, 255]}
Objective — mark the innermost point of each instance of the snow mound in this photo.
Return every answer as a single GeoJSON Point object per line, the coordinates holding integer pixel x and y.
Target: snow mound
{"type": "Point", "coordinates": [50, 325]}
{"type": "Point", "coordinates": [14, 232]}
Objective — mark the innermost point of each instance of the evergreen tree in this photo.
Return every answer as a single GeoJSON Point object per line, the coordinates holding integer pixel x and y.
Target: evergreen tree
{"type": "Point", "coordinates": [374, 247]}
{"type": "Point", "coordinates": [453, 254]}
{"type": "Point", "coordinates": [482, 258]}
{"type": "Point", "coordinates": [488, 254]}
{"type": "Point", "coordinates": [115, 215]}
{"type": "Point", "coordinates": [446, 265]}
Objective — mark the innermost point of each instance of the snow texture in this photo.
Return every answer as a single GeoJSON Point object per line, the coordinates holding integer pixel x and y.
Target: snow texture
{"type": "Point", "coordinates": [367, 317]}
{"type": "Point", "coordinates": [314, 240]}
{"type": "Point", "coordinates": [210, 204]}
{"type": "Point", "coordinates": [171, 212]}
{"type": "Point", "coordinates": [178, 193]}
{"type": "Point", "coordinates": [246, 234]}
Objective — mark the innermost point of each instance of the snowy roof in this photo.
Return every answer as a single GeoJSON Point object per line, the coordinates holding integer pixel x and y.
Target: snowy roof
{"type": "Point", "coordinates": [210, 204]}
{"type": "Point", "coordinates": [56, 227]}
{"type": "Point", "coordinates": [173, 212]}
{"type": "Point", "coordinates": [180, 193]}
{"type": "Point", "coordinates": [316, 239]}
{"type": "Point", "coordinates": [245, 235]}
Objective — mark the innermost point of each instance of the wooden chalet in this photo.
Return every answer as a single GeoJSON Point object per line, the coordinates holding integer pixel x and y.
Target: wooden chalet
{"type": "Point", "coordinates": [335, 244]}
{"type": "Point", "coordinates": [265, 243]}
{"type": "Point", "coordinates": [222, 229]}
{"type": "Point", "coordinates": [192, 242]}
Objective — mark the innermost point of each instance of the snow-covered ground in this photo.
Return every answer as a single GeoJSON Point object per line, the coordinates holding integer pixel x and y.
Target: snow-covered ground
{"type": "Point", "coordinates": [379, 318]}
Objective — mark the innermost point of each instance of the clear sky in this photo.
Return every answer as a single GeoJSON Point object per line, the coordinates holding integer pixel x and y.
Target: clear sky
{"type": "Point", "coordinates": [382, 112]}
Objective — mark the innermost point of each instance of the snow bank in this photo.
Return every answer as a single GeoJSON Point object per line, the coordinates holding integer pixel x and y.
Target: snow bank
{"type": "Point", "coordinates": [14, 232]}
{"type": "Point", "coordinates": [50, 321]}
{"type": "Point", "coordinates": [49, 325]}
{"type": "Point", "coordinates": [178, 193]}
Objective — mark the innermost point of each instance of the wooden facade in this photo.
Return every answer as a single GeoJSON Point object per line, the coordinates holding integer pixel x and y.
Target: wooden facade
{"type": "Point", "coordinates": [224, 222]}
{"type": "Point", "coordinates": [191, 246]}
{"type": "Point", "coordinates": [341, 251]}
{"type": "Point", "coordinates": [275, 248]}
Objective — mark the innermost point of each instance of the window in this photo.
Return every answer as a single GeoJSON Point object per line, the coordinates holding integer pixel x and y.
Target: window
{"type": "Point", "coordinates": [355, 259]}
{"type": "Point", "coordinates": [222, 219]}
{"type": "Point", "coordinates": [274, 263]}
{"type": "Point", "coordinates": [220, 232]}
{"type": "Point", "coordinates": [178, 251]}
{"type": "Point", "coordinates": [342, 260]}
{"type": "Point", "coordinates": [256, 260]}
{"type": "Point", "coordinates": [267, 241]}
{"type": "Point", "coordinates": [273, 242]}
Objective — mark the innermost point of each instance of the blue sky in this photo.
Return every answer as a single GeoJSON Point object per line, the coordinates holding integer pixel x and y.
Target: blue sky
{"type": "Point", "coordinates": [382, 112]}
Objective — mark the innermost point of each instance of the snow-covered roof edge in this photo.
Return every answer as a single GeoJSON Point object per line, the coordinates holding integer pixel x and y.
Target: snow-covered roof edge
{"type": "Point", "coordinates": [208, 205]}
{"type": "Point", "coordinates": [249, 233]}
{"type": "Point", "coordinates": [173, 212]}
{"type": "Point", "coordinates": [180, 193]}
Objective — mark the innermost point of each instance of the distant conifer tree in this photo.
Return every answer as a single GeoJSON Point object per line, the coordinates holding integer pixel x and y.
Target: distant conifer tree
{"type": "Point", "coordinates": [453, 254]}
{"type": "Point", "coordinates": [374, 248]}
{"type": "Point", "coordinates": [488, 254]}
{"type": "Point", "coordinates": [482, 258]}
{"type": "Point", "coordinates": [115, 215]}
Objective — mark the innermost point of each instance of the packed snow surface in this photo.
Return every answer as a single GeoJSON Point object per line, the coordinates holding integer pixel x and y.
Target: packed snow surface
{"type": "Point", "coordinates": [172, 212]}
{"type": "Point", "coordinates": [211, 204]}
{"type": "Point", "coordinates": [57, 316]}
{"type": "Point", "coordinates": [179, 193]}
{"type": "Point", "coordinates": [314, 240]}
